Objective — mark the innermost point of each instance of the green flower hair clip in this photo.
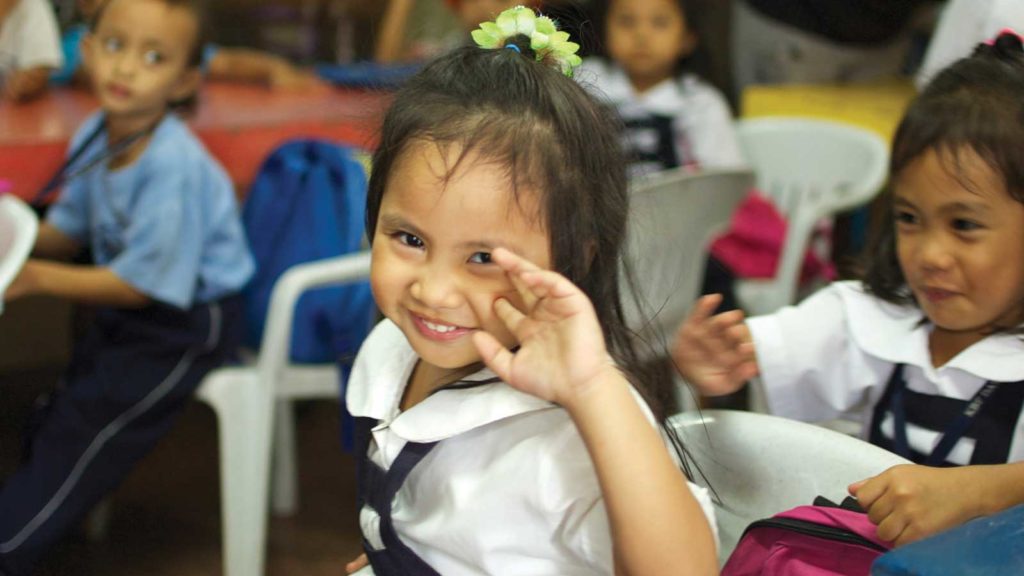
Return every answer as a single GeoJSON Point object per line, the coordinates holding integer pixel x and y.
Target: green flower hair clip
{"type": "Point", "coordinates": [546, 40]}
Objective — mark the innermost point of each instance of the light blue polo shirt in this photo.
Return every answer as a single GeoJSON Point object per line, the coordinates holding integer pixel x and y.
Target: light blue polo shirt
{"type": "Point", "coordinates": [168, 224]}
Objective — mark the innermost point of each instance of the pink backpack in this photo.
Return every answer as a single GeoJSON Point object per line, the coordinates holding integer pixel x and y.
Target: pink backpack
{"type": "Point", "coordinates": [820, 540]}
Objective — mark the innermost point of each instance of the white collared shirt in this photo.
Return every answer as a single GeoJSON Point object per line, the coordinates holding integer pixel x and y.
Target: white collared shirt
{"type": "Point", "coordinates": [702, 121]}
{"type": "Point", "coordinates": [510, 489]}
{"type": "Point", "coordinates": [831, 357]}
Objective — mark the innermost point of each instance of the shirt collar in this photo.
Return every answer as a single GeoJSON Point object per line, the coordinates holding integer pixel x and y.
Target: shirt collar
{"type": "Point", "coordinates": [898, 334]}
{"type": "Point", "coordinates": [447, 412]}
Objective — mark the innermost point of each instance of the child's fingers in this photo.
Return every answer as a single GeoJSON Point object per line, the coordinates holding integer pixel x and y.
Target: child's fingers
{"type": "Point", "coordinates": [494, 355]}
{"type": "Point", "coordinates": [511, 317]}
{"type": "Point", "coordinates": [356, 564]}
{"type": "Point", "coordinates": [514, 266]}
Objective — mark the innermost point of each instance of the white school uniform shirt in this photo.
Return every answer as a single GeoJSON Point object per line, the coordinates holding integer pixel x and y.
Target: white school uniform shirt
{"type": "Point", "coordinates": [702, 123]}
{"type": "Point", "coordinates": [831, 357]}
{"type": "Point", "coordinates": [29, 37]}
{"type": "Point", "coordinates": [510, 489]}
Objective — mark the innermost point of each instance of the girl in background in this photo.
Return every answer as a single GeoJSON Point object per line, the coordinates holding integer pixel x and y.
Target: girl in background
{"type": "Point", "coordinates": [672, 118]}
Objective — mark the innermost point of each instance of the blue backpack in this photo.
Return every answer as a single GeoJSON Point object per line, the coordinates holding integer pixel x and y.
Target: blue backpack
{"type": "Point", "coordinates": [308, 203]}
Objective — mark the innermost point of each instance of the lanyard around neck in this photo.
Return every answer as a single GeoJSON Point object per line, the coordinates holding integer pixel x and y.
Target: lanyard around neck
{"type": "Point", "coordinates": [954, 431]}
{"type": "Point", "coordinates": [65, 174]}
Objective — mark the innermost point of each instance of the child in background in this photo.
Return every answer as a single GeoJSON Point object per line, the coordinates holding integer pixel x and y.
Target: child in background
{"type": "Point", "coordinates": [29, 48]}
{"type": "Point", "coordinates": [672, 118]}
{"type": "Point", "coordinates": [160, 217]}
{"type": "Point", "coordinates": [926, 349]}
{"type": "Point", "coordinates": [219, 63]}
{"type": "Point", "coordinates": [497, 211]}
{"type": "Point", "coordinates": [392, 43]}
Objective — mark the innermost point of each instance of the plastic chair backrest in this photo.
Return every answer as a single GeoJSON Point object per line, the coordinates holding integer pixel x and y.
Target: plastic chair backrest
{"type": "Point", "coordinates": [673, 216]}
{"type": "Point", "coordinates": [308, 203]}
{"type": "Point", "coordinates": [18, 226]}
{"type": "Point", "coordinates": [811, 169]}
{"type": "Point", "coordinates": [759, 465]}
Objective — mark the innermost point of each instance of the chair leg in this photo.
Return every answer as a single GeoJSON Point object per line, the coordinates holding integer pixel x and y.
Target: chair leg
{"type": "Point", "coordinates": [244, 468]}
{"type": "Point", "coordinates": [285, 499]}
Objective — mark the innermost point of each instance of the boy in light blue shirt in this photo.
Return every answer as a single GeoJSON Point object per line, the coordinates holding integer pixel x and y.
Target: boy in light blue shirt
{"type": "Point", "coordinates": [170, 258]}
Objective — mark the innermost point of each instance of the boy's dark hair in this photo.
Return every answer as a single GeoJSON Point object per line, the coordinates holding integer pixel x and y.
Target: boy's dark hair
{"type": "Point", "coordinates": [550, 136]}
{"type": "Point", "coordinates": [195, 55]}
{"type": "Point", "coordinates": [690, 62]}
{"type": "Point", "coordinates": [976, 105]}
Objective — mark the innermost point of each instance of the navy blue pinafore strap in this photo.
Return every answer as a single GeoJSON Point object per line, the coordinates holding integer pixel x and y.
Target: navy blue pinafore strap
{"type": "Point", "coordinates": [990, 418]}
{"type": "Point", "coordinates": [377, 488]}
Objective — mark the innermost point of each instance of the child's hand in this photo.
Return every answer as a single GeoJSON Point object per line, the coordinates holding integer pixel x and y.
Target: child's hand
{"type": "Point", "coordinates": [909, 502]}
{"type": "Point", "coordinates": [561, 345]}
{"type": "Point", "coordinates": [356, 565]}
{"type": "Point", "coordinates": [714, 353]}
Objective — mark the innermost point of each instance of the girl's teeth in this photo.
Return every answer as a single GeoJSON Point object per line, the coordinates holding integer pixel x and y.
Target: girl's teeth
{"type": "Point", "coordinates": [442, 328]}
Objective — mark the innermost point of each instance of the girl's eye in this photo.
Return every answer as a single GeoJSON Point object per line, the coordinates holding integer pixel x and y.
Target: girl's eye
{"type": "Point", "coordinates": [964, 225]}
{"type": "Point", "coordinates": [481, 258]}
{"type": "Point", "coordinates": [905, 217]}
{"type": "Point", "coordinates": [112, 44]}
{"type": "Point", "coordinates": [151, 57]}
{"type": "Point", "coordinates": [410, 240]}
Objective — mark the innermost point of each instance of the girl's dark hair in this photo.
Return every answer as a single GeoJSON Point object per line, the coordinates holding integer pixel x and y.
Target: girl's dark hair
{"type": "Point", "coordinates": [975, 105]}
{"type": "Point", "coordinates": [695, 61]}
{"type": "Point", "coordinates": [195, 54]}
{"type": "Point", "coordinates": [550, 136]}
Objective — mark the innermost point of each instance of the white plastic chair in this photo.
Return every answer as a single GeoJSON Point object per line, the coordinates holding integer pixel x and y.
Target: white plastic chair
{"type": "Point", "coordinates": [253, 405]}
{"type": "Point", "coordinates": [18, 227]}
{"type": "Point", "coordinates": [811, 169]}
{"type": "Point", "coordinates": [673, 216]}
{"type": "Point", "coordinates": [759, 465]}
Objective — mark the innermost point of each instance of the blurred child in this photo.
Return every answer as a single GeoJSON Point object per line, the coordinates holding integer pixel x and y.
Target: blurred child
{"type": "Point", "coordinates": [392, 43]}
{"type": "Point", "coordinates": [160, 217]}
{"type": "Point", "coordinates": [672, 118]}
{"type": "Point", "coordinates": [927, 349]}
{"type": "Point", "coordinates": [497, 210]}
{"type": "Point", "coordinates": [29, 48]}
{"type": "Point", "coordinates": [219, 63]}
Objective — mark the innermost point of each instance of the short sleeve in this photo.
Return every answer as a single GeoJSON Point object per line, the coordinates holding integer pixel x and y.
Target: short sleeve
{"type": "Point", "coordinates": [163, 244]}
{"type": "Point", "coordinates": [810, 365]}
{"type": "Point", "coordinates": [39, 44]}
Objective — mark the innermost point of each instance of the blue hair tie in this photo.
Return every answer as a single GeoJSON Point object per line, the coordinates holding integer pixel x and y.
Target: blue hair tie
{"type": "Point", "coordinates": [513, 47]}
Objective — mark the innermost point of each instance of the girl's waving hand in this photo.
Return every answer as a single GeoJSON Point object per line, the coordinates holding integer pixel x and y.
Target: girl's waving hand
{"type": "Point", "coordinates": [561, 347]}
{"type": "Point", "coordinates": [714, 353]}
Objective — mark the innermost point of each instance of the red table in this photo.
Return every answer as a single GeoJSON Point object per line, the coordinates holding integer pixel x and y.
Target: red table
{"type": "Point", "coordinates": [239, 123]}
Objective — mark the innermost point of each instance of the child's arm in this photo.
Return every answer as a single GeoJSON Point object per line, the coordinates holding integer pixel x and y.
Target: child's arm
{"type": "Point", "coordinates": [715, 354]}
{"type": "Point", "coordinates": [911, 502]}
{"type": "Point", "coordinates": [657, 526]}
{"type": "Point", "coordinates": [27, 83]}
{"type": "Point", "coordinates": [391, 39]}
{"type": "Point", "coordinates": [244, 65]}
{"type": "Point", "coordinates": [53, 244]}
{"type": "Point", "coordinates": [85, 284]}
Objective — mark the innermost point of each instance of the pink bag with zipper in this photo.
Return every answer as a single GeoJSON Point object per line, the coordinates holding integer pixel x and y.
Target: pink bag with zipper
{"type": "Point", "coordinates": [820, 540]}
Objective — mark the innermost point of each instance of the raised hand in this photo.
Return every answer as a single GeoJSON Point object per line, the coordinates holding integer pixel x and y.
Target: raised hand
{"type": "Point", "coordinates": [714, 353]}
{"type": "Point", "coordinates": [561, 345]}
